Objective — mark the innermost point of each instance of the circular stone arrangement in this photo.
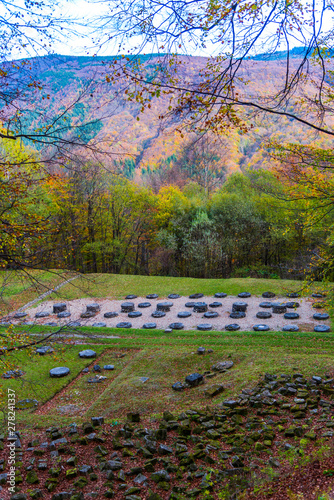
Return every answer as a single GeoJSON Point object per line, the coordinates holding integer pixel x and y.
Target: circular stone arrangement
{"type": "Point", "coordinates": [142, 305]}
{"type": "Point", "coordinates": [204, 327]}
{"type": "Point", "coordinates": [87, 353]}
{"type": "Point", "coordinates": [220, 295]}
{"type": "Point", "coordinates": [158, 314]}
{"type": "Point", "coordinates": [290, 328]}
{"type": "Point", "coordinates": [263, 315]}
{"type": "Point", "coordinates": [176, 326]}
{"type": "Point", "coordinates": [149, 326]}
{"type": "Point", "coordinates": [268, 295]}
{"type": "Point", "coordinates": [60, 371]}
{"type": "Point", "coordinates": [232, 327]}
{"type": "Point", "coordinates": [127, 307]}
{"type": "Point", "coordinates": [110, 314]}
{"type": "Point", "coordinates": [183, 314]}
{"type": "Point", "coordinates": [134, 314]}
{"type": "Point", "coordinates": [244, 295]}
{"type": "Point", "coordinates": [210, 314]}
{"type": "Point", "coordinates": [237, 314]}
{"type": "Point", "coordinates": [174, 296]}
{"type": "Point", "coordinates": [321, 316]}
{"type": "Point", "coordinates": [152, 296]}
{"type": "Point", "coordinates": [322, 328]}
{"type": "Point", "coordinates": [291, 316]}
{"type": "Point", "coordinates": [124, 324]}
{"type": "Point", "coordinates": [261, 328]}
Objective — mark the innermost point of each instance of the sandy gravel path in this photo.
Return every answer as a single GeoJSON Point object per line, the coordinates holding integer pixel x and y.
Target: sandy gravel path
{"type": "Point", "coordinates": [276, 322]}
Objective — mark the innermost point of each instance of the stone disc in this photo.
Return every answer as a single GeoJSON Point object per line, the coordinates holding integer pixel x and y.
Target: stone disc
{"type": "Point", "coordinates": [158, 314]}
{"type": "Point", "coordinates": [60, 371]}
{"type": "Point", "coordinates": [220, 295]}
{"type": "Point", "coordinates": [184, 314]}
{"type": "Point", "coordinates": [196, 295]}
{"type": "Point", "coordinates": [291, 316]}
{"type": "Point", "coordinates": [293, 295]}
{"type": "Point", "coordinates": [290, 328]}
{"type": "Point", "coordinates": [134, 314]}
{"type": "Point", "coordinates": [266, 305]}
{"type": "Point", "coordinates": [237, 314]}
{"type": "Point", "coordinates": [124, 324]}
{"type": "Point", "coordinates": [204, 327]}
{"type": "Point", "coordinates": [142, 305]}
{"type": "Point", "coordinates": [211, 314]}
{"type": "Point", "coordinates": [110, 314]}
{"type": "Point", "coordinates": [232, 327]}
{"type": "Point", "coordinates": [268, 295]}
{"type": "Point", "coordinates": [176, 326]}
{"type": "Point", "coordinates": [130, 297]}
{"type": "Point", "coordinates": [263, 315]}
{"type": "Point", "coordinates": [244, 295]}
{"type": "Point", "coordinates": [322, 328]}
{"type": "Point", "coordinates": [261, 328]}
{"type": "Point", "coordinates": [87, 353]}
{"type": "Point", "coordinates": [321, 316]}
{"type": "Point", "coordinates": [152, 296]}
{"type": "Point", "coordinates": [190, 304]}
{"type": "Point", "coordinates": [149, 326]}
{"type": "Point", "coordinates": [174, 296]}
{"type": "Point", "coordinates": [215, 304]}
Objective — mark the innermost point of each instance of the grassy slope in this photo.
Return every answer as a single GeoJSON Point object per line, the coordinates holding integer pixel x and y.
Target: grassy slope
{"type": "Point", "coordinates": [165, 359]}
{"type": "Point", "coordinates": [115, 286]}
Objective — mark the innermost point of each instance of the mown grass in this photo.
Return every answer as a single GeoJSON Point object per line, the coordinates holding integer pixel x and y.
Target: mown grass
{"type": "Point", "coordinates": [165, 359]}
{"type": "Point", "coordinates": [118, 286]}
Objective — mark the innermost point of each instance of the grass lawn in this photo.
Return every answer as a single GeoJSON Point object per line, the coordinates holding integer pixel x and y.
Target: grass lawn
{"type": "Point", "coordinates": [164, 359]}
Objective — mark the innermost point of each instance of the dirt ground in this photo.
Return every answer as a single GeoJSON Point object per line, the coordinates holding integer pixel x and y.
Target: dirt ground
{"type": "Point", "coordinates": [275, 323]}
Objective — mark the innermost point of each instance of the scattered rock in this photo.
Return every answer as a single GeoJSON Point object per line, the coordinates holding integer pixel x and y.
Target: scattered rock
{"type": "Point", "coordinates": [194, 379]}
{"type": "Point", "coordinates": [13, 374]}
{"type": "Point", "coordinates": [214, 390]}
{"type": "Point", "coordinates": [178, 386]}
{"type": "Point", "coordinates": [201, 350]}
{"type": "Point", "coordinates": [109, 367]}
{"type": "Point", "coordinates": [24, 404]}
{"type": "Point", "coordinates": [222, 366]}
